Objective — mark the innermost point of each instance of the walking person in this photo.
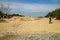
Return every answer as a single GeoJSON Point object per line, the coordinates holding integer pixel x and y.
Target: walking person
{"type": "Point", "coordinates": [50, 20]}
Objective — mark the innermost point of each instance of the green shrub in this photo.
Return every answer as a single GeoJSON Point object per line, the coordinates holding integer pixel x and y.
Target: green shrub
{"type": "Point", "coordinates": [55, 13]}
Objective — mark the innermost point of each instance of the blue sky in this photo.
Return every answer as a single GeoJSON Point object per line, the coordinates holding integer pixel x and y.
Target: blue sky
{"type": "Point", "coordinates": [32, 7]}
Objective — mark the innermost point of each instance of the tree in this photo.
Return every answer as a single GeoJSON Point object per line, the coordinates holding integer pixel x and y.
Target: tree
{"type": "Point", "coordinates": [5, 8]}
{"type": "Point", "coordinates": [55, 13]}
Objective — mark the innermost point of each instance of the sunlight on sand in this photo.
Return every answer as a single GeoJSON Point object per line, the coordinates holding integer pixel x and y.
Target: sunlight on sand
{"type": "Point", "coordinates": [27, 25]}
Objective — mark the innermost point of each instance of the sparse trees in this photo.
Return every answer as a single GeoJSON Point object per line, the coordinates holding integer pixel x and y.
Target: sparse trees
{"type": "Point", "coordinates": [5, 8]}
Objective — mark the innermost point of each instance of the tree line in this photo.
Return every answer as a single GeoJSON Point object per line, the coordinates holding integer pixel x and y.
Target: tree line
{"type": "Point", "coordinates": [3, 15]}
{"type": "Point", "coordinates": [54, 14]}
{"type": "Point", "coordinates": [5, 12]}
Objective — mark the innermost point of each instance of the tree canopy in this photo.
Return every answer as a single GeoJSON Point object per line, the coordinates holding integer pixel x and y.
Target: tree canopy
{"type": "Point", "coordinates": [55, 13]}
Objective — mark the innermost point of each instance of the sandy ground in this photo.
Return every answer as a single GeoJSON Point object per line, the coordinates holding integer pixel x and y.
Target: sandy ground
{"type": "Point", "coordinates": [27, 25]}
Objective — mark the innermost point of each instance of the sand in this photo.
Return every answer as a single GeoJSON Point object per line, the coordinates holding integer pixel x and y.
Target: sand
{"type": "Point", "coordinates": [29, 24]}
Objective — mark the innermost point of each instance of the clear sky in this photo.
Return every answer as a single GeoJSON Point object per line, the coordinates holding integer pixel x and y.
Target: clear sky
{"type": "Point", "coordinates": [32, 7]}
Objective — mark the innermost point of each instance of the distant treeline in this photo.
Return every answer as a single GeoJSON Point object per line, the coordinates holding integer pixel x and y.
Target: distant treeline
{"type": "Point", "coordinates": [5, 12]}
{"type": "Point", "coordinates": [54, 14]}
{"type": "Point", "coordinates": [4, 15]}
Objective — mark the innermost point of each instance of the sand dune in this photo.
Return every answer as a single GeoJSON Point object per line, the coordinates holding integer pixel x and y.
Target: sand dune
{"type": "Point", "coordinates": [29, 28]}
{"type": "Point", "coordinates": [29, 24]}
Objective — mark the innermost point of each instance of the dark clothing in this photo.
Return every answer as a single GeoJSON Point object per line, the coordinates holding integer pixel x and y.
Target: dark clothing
{"type": "Point", "coordinates": [50, 20]}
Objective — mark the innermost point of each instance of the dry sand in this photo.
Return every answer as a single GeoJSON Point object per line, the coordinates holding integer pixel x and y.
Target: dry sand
{"type": "Point", "coordinates": [29, 24]}
{"type": "Point", "coordinates": [29, 28]}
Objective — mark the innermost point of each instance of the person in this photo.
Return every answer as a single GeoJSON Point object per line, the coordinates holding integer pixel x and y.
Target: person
{"type": "Point", "coordinates": [50, 20]}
